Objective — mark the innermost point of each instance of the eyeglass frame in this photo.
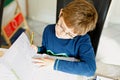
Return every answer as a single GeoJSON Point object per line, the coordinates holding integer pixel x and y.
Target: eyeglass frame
{"type": "Point", "coordinates": [66, 33]}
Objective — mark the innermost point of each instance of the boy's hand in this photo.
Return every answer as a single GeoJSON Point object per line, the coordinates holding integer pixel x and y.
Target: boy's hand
{"type": "Point", "coordinates": [44, 62]}
{"type": "Point", "coordinates": [35, 48]}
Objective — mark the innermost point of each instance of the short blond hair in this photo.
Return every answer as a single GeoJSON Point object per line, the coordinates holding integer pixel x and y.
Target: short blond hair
{"type": "Point", "coordinates": [80, 15]}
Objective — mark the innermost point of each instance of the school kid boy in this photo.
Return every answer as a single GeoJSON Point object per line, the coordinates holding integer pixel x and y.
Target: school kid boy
{"type": "Point", "coordinates": [68, 37]}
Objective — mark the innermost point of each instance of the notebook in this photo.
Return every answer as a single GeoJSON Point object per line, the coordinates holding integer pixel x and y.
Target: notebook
{"type": "Point", "coordinates": [18, 61]}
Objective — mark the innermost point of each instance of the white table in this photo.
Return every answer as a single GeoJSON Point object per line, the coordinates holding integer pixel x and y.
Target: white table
{"type": "Point", "coordinates": [107, 70]}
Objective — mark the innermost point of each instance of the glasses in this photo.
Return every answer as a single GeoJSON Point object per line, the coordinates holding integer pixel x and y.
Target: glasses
{"type": "Point", "coordinates": [64, 31]}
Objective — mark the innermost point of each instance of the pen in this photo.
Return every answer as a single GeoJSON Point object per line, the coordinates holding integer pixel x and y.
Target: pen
{"type": "Point", "coordinates": [31, 39]}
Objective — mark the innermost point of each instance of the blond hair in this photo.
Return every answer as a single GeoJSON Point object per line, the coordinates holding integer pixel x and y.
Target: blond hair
{"type": "Point", "coordinates": [80, 15]}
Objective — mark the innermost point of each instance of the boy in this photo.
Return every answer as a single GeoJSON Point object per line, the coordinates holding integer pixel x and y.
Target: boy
{"type": "Point", "coordinates": [69, 38]}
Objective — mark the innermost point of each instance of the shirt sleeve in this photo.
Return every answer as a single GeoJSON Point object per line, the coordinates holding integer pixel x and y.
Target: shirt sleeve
{"type": "Point", "coordinates": [86, 66]}
{"type": "Point", "coordinates": [42, 49]}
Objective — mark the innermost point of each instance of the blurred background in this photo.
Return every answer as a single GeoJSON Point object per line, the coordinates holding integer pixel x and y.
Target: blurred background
{"type": "Point", "coordinates": [39, 13]}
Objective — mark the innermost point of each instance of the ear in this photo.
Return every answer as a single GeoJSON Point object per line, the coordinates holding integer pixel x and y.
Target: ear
{"type": "Point", "coordinates": [60, 12]}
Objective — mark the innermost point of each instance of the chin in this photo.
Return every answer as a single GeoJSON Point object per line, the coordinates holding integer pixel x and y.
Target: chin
{"type": "Point", "coordinates": [57, 35]}
{"type": "Point", "coordinates": [61, 37]}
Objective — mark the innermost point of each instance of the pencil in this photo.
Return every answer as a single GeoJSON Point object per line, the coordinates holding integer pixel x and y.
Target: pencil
{"type": "Point", "coordinates": [31, 39]}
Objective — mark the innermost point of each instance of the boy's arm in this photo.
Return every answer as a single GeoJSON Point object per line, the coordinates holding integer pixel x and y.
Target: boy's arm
{"type": "Point", "coordinates": [86, 66]}
{"type": "Point", "coordinates": [41, 49]}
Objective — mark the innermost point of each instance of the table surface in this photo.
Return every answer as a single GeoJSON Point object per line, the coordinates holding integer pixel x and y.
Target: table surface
{"type": "Point", "coordinates": [2, 51]}
{"type": "Point", "coordinates": [107, 70]}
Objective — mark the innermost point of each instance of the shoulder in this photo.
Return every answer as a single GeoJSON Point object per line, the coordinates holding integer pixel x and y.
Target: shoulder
{"type": "Point", "coordinates": [86, 37]}
{"type": "Point", "coordinates": [50, 26]}
{"type": "Point", "coordinates": [49, 29]}
{"type": "Point", "coordinates": [83, 38]}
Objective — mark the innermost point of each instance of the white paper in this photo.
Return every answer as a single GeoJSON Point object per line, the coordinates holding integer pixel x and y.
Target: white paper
{"type": "Point", "coordinates": [18, 59]}
{"type": "Point", "coordinates": [6, 73]}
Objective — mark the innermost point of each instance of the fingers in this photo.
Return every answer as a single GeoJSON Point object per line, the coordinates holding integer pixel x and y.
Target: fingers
{"type": "Point", "coordinates": [44, 61]}
{"type": "Point", "coordinates": [39, 62]}
{"type": "Point", "coordinates": [34, 47]}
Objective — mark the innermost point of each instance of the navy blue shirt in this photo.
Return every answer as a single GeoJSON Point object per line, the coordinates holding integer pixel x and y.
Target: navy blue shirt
{"type": "Point", "coordinates": [79, 47]}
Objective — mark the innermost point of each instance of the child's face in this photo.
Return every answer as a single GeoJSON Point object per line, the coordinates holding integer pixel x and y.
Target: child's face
{"type": "Point", "coordinates": [62, 31]}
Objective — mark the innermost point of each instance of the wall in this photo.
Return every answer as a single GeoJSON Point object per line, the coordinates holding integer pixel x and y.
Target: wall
{"type": "Point", "coordinates": [113, 16]}
{"type": "Point", "coordinates": [42, 10]}
{"type": "Point", "coordinates": [45, 11]}
{"type": "Point", "coordinates": [114, 12]}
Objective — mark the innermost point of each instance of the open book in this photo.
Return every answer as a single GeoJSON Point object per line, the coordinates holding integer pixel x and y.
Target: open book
{"type": "Point", "coordinates": [18, 60]}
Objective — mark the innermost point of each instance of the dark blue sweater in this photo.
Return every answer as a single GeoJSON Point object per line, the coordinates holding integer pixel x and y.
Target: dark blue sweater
{"type": "Point", "coordinates": [79, 47]}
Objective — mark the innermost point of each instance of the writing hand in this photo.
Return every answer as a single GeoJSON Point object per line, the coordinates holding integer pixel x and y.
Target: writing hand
{"type": "Point", "coordinates": [35, 48]}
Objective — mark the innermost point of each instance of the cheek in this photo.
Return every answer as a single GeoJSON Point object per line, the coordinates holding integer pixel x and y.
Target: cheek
{"type": "Point", "coordinates": [56, 30]}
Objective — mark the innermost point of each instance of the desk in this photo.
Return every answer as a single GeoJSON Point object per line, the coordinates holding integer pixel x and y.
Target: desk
{"type": "Point", "coordinates": [112, 71]}
{"type": "Point", "coordinates": [2, 51]}
{"type": "Point", "coordinates": [108, 70]}
{"type": "Point", "coordinates": [6, 73]}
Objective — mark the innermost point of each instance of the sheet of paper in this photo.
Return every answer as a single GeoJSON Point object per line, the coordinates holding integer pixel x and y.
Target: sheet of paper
{"type": "Point", "coordinates": [6, 73]}
{"type": "Point", "coordinates": [18, 59]}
